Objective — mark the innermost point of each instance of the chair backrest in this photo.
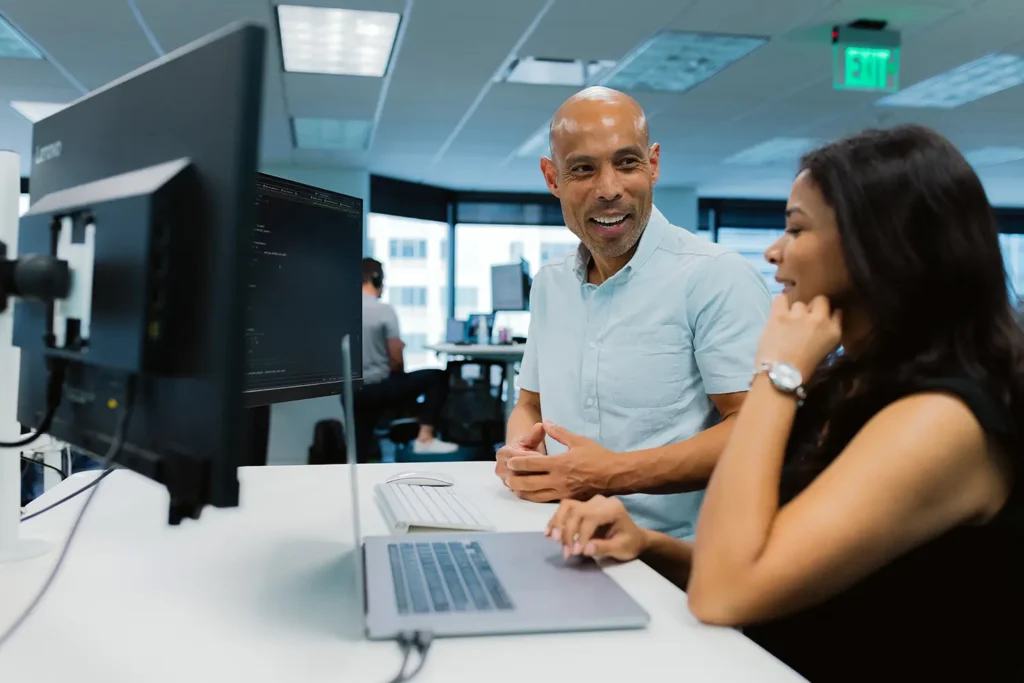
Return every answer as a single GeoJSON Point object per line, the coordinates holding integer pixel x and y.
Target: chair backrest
{"type": "Point", "coordinates": [328, 447]}
{"type": "Point", "coordinates": [474, 412]}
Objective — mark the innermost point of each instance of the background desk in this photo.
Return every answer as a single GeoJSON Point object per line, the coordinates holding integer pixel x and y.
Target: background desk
{"type": "Point", "coordinates": [262, 594]}
{"type": "Point", "coordinates": [509, 353]}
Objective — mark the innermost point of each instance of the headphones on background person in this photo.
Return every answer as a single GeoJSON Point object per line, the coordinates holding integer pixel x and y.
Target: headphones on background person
{"type": "Point", "coordinates": [373, 272]}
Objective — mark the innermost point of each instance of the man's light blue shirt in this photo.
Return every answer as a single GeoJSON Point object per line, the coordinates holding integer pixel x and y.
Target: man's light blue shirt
{"type": "Point", "coordinates": [631, 363]}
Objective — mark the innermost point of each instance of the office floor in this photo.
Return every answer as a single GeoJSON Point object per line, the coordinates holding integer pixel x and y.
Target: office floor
{"type": "Point", "coordinates": [392, 453]}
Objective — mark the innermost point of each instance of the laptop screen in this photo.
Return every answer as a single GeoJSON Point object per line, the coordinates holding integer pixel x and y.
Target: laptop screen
{"type": "Point", "coordinates": [352, 469]}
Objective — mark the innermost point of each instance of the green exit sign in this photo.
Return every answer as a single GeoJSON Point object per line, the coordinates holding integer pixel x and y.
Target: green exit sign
{"type": "Point", "coordinates": [857, 67]}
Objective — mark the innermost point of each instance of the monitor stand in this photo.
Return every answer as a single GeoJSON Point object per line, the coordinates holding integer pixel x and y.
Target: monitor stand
{"type": "Point", "coordinates": [12, 547]}
{"type": "Point", "coordinates": [257, 431]}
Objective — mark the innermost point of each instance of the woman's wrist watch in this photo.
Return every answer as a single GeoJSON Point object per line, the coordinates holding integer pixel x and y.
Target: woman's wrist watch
{"type": "Point", "coordinates": [785, 378]}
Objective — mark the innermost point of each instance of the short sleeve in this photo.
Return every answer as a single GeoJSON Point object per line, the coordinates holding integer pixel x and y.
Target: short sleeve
{"type": "Point", "coordinates": [529, 372]}
{"type": "Point", "coordinates": [728, 306]}
{"type": "Point", "coordinates": [390, 323]}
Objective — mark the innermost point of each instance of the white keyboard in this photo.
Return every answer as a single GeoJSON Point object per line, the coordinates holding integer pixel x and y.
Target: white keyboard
{"type": "Point", "coordinates": [407, 506]}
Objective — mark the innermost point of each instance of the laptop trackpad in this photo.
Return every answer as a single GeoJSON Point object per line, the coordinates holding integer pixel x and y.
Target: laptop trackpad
{"type": "Point", "coordinates": [538, 579]}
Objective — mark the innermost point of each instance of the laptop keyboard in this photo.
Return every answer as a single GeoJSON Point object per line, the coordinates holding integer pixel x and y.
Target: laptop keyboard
{"type": "Point", "coordinates": [444, 577]}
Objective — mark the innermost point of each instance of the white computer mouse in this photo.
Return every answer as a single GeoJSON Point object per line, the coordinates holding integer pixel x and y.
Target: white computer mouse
{"type": "Point", "coordinates": [421, 479]}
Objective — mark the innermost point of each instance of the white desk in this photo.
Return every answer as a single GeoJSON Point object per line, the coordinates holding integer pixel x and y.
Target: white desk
{"type": "Point", "coordinates": [263, 594]}
{"type": "Point", "coordinates": [510, 354]}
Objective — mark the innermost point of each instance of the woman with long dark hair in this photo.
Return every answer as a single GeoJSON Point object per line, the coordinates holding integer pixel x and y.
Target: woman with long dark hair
{"type": "Point", "coordinates": [865, 522]}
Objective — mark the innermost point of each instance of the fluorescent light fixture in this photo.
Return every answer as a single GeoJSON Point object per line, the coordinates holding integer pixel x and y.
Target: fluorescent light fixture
{"type": "Point", "coordinates": [545, 71]}
{"type": "Point", "coordinates": [774, 151]}
{"type": "Point", "coordinates": [966, 83]}
{"type": "Point", "coordinates": [13, 44]}
{"type": "Point", "coordinates": [326, 40]}
{"type": "Point", "coordinates": [537, 146]}
{"type": "Point", "coordinates": [36, 111]}
{"type": "Point", "coordinates": [675, 61]}
{"type": "Point", "coordinates": [993, 156]}
{"type": "Point", "coordinates": [331, 134]}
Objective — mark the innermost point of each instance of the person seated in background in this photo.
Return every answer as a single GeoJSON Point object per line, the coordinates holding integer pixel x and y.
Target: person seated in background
{"type": "Point", "coordinates": [387, 387]}
{"type": "Point", "coordinates": [864, 522]}
{"type": "Point", "coordinates": [640, 344]}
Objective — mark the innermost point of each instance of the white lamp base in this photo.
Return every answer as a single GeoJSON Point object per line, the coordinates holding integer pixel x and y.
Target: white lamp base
{"type": "Point", "coordinates": [24, 549]}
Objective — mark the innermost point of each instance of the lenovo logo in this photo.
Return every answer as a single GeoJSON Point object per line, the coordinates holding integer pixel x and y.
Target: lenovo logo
{"type": "Point", "coordinates": [48, 152]}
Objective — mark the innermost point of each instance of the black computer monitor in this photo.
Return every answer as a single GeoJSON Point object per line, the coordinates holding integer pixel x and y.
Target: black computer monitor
{"type": "Point", "coordinates": [304, 291]}
{"type": "Point", "coordinates": [510, 287]}
{"type": "Point", "coordinates": [147, 188]}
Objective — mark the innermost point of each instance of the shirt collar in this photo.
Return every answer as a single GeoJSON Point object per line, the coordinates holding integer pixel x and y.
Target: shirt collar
{"type": "Point", "coordinates": [657, 227]}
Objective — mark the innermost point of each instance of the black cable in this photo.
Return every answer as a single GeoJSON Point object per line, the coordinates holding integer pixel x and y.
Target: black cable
{"type": "Point", "coordinates": [54, 392]}
{"type": "Point", "coordinates": [115, 447]}
{"type": "Point", "coordinates": [62, 473]}
{"type": "Point", "coordinates": [68, 497]}
{"type": "Point", "coordinates": [421, 642]}
{"type": "Point", "coordinates": [407, 648]}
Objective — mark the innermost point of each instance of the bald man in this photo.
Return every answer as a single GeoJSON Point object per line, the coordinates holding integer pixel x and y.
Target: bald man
{"type": "Point", "coordinates": [641, 345]}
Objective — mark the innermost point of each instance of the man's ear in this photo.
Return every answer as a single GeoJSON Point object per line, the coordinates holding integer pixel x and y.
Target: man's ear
{"type": "Point", "coordinates": [550, 172]}
{"type": "Point", "coordinates": [655, 161]}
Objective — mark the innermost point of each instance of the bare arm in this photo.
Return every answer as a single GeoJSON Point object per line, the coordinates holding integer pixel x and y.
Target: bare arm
{"type": "Point", "coordinates": [524, 434]}
{"type": "Point", "coordinates": [668, 556]}
{"type": "Point", "coordinates": [395, 355]}
{"type": "Point", "coordinates": [524, 418]}
{"type": "Point", "coordinates": [683, 466]}
{"type": "Point", "coordinates": [587, 469]}
{"type": "Point", "coordinates": [920, 467]}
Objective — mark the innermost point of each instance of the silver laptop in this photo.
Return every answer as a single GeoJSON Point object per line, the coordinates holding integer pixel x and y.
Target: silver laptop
{"type": "Point", "coordinates": [474, 584]}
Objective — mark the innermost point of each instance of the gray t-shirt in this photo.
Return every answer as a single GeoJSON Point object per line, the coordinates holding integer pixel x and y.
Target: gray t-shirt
{"type": "Point", "coordinates": [379, 324]}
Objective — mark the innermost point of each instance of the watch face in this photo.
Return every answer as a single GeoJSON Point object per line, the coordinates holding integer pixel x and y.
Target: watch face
{"type": "Point", "coordinates": [785, 376]}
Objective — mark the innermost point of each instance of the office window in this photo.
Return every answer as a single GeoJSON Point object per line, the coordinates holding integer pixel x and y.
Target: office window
{"type": "Point", "coordinates": [412, 297]}
{"type": "Point", "coordinates": [480, 246]}
{"type": "Point", "coordinates": [1013, 259]}
{"type": "Point", "coordinates": [556, 252]}
{"type": "Point", "coordinates": [419, 313]}
{"type": "Point", "coordinates": [408, 249]}
{"type": "Point", "coordinates": [751, 243]}
{"type": "Point", "coordinates": [371, 248]}
{"type": "Point", "coordinates": [415, 343]}
{"type": "Point", "coordinates": [444, 250]}
{"type": "Point", "coordinates": [467, 301]}
{"type": "Point", "coordinates": [466, 298]}
{"type": "Point", "coordinates": [515, 251]}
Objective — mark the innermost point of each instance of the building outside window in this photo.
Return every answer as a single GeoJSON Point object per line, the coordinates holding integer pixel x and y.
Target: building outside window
{"type": "Point", "coordinates": [408, 249]}
{"type": "Point", "coordinates": [556, 252]}
{"type": "Point", "coordinates": [423, 315]}
{"type": "Point", "coordinates": [411, 297]}
{"type": "Point", "coordinates": [515, 251]}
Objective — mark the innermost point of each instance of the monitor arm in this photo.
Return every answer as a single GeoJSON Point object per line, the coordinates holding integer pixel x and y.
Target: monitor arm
{"type": "Point", "coordinates": [35, 277]}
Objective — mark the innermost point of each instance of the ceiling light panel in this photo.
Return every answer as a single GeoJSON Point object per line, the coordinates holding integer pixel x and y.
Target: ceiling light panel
{"type": "Point", "coordinates": [36, 111]}
{"type": "Point", "coordinates": [326, 40]}
{"type": "Point", "coordinates": [966, 83]}
{"type": "Point", "coordinates": [566, 72]}
{"type": "Point", "coordinates": [676, 61]}
{"type": "Point", "coordinates": [331, 134]}
{"type": "Point", "coordinates": [774, 151]}
{"type": "Point", "coordinates": [13, 44]}
{"type": "Point", "coordinates": [993, 156]}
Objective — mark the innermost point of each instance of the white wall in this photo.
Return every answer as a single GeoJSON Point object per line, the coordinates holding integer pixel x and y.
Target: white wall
{"type": "Point", "coordinates": [291, 424]}
{"type": "Point", "coordinates": [679, 204]}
